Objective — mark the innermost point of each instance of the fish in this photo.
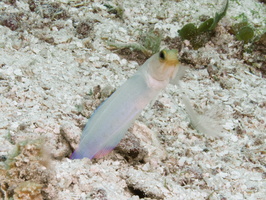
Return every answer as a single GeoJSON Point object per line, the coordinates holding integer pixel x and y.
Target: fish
{"type": "Point", "coordinates": [111, 120]}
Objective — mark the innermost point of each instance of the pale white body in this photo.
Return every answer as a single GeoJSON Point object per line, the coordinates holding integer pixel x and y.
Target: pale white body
{"type": "Point", "coordinates": [108, 125]}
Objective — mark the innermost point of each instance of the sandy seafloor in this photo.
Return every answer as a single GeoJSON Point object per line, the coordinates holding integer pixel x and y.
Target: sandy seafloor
{"type": "Point", "coordinates": [48, 70]}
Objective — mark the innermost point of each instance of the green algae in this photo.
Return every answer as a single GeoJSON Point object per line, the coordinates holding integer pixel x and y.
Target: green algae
{"type": "Point", "coordinates": [198, 36]}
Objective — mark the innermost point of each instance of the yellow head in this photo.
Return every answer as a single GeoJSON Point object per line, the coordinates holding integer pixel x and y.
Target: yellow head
{"type": "Point", "coordinates": [168, 57]}
{"type": "Point", "coordinates": [164, 65]}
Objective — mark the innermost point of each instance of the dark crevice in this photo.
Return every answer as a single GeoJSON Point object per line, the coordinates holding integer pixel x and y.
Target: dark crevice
{"type": "Point", "coordinates": [137, 192]}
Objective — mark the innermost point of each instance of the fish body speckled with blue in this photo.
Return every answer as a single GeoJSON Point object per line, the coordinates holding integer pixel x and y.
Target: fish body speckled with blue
{"type": "Point", "coordinates": [111, 120]}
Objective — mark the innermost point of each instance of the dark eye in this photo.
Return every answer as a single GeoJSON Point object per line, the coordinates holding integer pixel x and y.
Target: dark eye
{"type": "Point", "coordinates": [162, 55]}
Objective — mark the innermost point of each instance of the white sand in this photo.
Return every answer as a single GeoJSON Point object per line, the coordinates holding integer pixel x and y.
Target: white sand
{"type": "Point", "coordinates": [41, 85]}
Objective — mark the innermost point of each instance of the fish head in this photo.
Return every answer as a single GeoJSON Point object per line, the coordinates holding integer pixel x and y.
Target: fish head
{"type": "Point", "coordinates": [164, 65]}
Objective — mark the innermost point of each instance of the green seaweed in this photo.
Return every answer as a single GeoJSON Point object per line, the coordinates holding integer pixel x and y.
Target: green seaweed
{"type": "Point", "coordinates": [198, 36]}
{"type": "Point", "coordinates": [242, 30]}
{"type": "Point", "coordinates": [188, 32]}
{"type": "Point", "coordinates": [132, 46]}
{"type": "Point", "coordinates": [151, 41]}
{"type": "Point", "coordinates": [206, 25]}
{"type": "Point", "coordinates": [148, 44]}
{"type": "Point", "coordinates": [117, 11]}
{"type": "Point", "coordinates": [245, 34]}
{"type": "Point", "coordinates": [219, 16]}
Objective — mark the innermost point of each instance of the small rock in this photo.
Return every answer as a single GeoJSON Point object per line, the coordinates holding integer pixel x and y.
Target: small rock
{"type": "Point", "coordinates": [84, 29]}
{"type": "Point", "coordinates": [10, 20]}
{"type": "Point", "coordinates": [71, 133]}
{"type": "Point", "coordinates": [149, 140]}
{"type": "Point", "coordinates": [107, 91]}
{"type": "Point", "coordinates": [131, 148]}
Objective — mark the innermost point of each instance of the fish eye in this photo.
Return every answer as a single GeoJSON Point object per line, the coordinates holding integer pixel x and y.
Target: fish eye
{"type": "Point", "coordinates": [162, 54]}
